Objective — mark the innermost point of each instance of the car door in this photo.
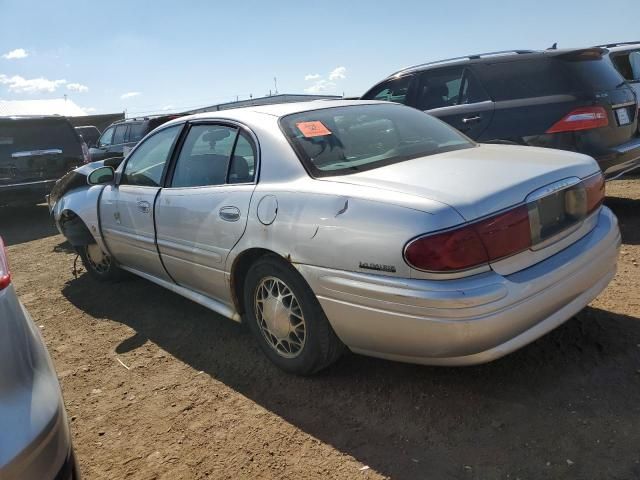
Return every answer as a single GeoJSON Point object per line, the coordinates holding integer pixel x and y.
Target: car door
{"type": "Point", "coordinates": [455, 95]}
{"type": "Point", "coordinates": [99, 152]}
{"type": "Point", "coordinates": [117, 147]}
{"type": "Point", "coordinates": [202, 213]}
{"type": "Point", "coordinates": [126, 208]}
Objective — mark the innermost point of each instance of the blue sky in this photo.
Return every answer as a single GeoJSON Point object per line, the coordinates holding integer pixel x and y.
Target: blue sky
{"type": "Point", "coordinates": [150, 56]}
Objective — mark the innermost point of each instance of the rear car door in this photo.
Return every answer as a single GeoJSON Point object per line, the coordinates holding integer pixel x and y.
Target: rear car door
{"type": "Point", "coordinates": [202, 213]}
{"type": "Point", "coordinates": [455, 95]}
{"type": "Point", "coordinates": [126, 208]}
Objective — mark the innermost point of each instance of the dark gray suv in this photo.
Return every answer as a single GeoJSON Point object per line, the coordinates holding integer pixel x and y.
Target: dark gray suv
{"type": "Point", "coordinates": [570, 99]}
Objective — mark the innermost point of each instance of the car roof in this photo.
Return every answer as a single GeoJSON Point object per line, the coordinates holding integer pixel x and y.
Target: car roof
{"type": "Point", "coordinates": [490, 57]}
{"type": "Point", "coordinates": [622, 47]}
{"type": "Point", "coordinates": [275, 110]}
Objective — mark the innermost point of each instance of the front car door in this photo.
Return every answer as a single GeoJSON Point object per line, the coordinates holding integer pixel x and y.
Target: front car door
{"type": "Point", "coordinates": [99, 152]}
{"type": "Point", "coordinates": [455, 95]}
{"type": "Point", "coordinates": [126, 208]}
{"type": "Point", "coordinates": [202, 212]}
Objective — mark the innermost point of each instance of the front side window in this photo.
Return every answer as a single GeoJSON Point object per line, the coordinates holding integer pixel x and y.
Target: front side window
{"type": "Point", "coordinates": [146, 164]}
{"type": "Point", "coordinates": [107, 136]}
{"type": "Point", "coordinates": [204, 157]}
{"type": "Point", "coordinates": [392, 91]}
{"type": "Point", "coordinates": [343, 140]}
{"type": "Point", "coordinates": [448, 87]}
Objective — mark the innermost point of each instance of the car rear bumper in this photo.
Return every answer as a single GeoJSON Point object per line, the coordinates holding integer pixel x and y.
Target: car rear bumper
{"type": "Point", "coordinates": [466, 321]}
{"type": "Point", "coordinates": [621, 159]}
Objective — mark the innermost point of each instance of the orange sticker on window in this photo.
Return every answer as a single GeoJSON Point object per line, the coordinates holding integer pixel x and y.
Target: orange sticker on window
{"type": "Point", "coordinates": [313, 129]}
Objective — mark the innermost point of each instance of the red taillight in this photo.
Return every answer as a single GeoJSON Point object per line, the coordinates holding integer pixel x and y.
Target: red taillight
{"type": "Point", "coordinates": [5, 274]}
{"type": "Point", "coordinates": [584, 118]}
{"type": "Point", "coordinates": [85, 153]}
{"type": "Point", "coordinates": [594, 186]}
{"type": "Point", "coordinates": [472, 245]}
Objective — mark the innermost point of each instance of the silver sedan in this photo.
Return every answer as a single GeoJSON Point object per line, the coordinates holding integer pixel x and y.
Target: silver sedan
{"type": "Point", "coordinates": [361, 224]}
{"type": "Point", "coordinates": [35, 441]}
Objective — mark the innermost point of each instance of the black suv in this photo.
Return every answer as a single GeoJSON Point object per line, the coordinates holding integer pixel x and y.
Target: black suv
{"type": "Point", "coordinates": [566, 99]}
{"type": "Point", "coordinates": [121, 136]}
{"type": "Point", "coordinates": [34, 153]}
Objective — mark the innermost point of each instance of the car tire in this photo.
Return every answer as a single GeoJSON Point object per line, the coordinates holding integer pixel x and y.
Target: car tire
{"type": "Point", "coordinates": [286, 318]}
{"type": "Point", "coordinates": [102, 268]}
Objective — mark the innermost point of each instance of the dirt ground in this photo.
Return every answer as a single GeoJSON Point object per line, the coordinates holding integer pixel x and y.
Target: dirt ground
{"type": "Point", "coordinates": [197, 399]}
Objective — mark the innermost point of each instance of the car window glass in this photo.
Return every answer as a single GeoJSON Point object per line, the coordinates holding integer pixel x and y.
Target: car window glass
{"type": "Point", "coordinates": [118, 135]}
{"type": "Point", "coordinates": [146, 164]}
{"type": "Point", "coordinates": [106, 137]}
{"type": "Point", "coordinates": [204, 156]}
{"type": "Point", "coordinates": [344, 140]}
{"type": "Point", "coordinates": [448, 87]}
{"type": "Point", "coordinates": [36, 134]}
{"type": "Point", "coordinates": [392, 91]}
{"type": "Point", "coordinates": [243, 161]}
{"type": "Point", "coordinates": [136, 132]}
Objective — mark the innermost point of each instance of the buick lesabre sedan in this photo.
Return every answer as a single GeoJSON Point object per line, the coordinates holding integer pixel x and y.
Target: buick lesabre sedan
{"type": "Point", "coordinates": [361, 224]}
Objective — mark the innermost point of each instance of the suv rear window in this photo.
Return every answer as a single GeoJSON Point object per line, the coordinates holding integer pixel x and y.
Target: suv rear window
{"type": "Point", "coordinates": [547, 76]}
{"type": "Point", "coordinates": [342, 140]}
{"type": "Point", "coordinates": [38, 134]}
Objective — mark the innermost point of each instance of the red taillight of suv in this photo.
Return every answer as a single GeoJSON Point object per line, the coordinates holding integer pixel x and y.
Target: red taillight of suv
{"type": "Point", "coordinates": [472, 245]}
{"type": "Point", "coordinates": [85, 153]}
{"type": "Point", "coordinates": [585, 118]}
{"type": "Point", "coordinates": [5, 274]}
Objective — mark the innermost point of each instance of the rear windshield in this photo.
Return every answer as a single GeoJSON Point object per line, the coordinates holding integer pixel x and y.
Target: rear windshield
{"type": "Point", "coordinates": [541, 77]}
{"type": "Point", "coordinates": [342, 140]}
{"type": "Point", "coordinates": [27, 135]}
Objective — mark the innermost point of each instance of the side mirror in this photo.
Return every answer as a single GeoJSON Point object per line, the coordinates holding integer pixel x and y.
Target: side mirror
{"type": "Point", "coordinates": [101, 176]}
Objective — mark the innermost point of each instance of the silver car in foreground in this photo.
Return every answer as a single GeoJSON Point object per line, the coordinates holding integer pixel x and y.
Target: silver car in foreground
{"type": "Point", "coordinates": [35, 442]}
{"type": "Point", "coordinates": [346, 223]}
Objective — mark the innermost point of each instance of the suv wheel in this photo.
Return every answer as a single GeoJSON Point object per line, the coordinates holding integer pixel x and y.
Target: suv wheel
{"type": "Point", "coordinates": [98, 263]}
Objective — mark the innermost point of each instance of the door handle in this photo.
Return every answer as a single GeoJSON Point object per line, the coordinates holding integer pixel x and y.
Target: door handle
{"type": "Point", "coordinates": [144, 206]}
{"type": "Point", "coordinates": [477, 118]}
{"type": "Point", "coordinates": [229, 214]}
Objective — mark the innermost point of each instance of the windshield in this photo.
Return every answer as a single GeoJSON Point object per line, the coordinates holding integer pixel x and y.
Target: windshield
{"type": "Point", "coordinates": [343, 140]}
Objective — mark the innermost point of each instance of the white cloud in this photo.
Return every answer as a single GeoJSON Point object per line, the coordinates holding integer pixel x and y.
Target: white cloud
{"type": "Point", "coordinates": [338, 73]}
{"type": "Point", "coordinates": [20, 84]}
{"type": "Point", "coordinates": [15, 54]}
{"type": "Point", "coordinates": [320, 86]}
{"type": "Point", "coordinates": [77, 87]}
{"type": "Point", "coordinates": [124, 96]}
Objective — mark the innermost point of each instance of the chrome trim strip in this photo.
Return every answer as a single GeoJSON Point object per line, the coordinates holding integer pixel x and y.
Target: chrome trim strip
{"type": "Point", "coordinates": [27, 183]}
{"type": "Point", "coordinates": [36, 153]}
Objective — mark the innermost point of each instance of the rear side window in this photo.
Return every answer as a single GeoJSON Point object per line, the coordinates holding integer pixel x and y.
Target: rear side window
{"type": "Point", "coordinates": [547, 76]}
{"type": "Point", "coordinates": [204, 157]}
{"type": "Point", "coordinates": [448, 87]}
{"type": "Point", "coordinates": [136, 132]}
{"type": "Point", "coordinates": [27, 135]}
{"type": "Point", "coordinates": [392, 91]}
{"type": "Point", "coordinates": [118, 135]}
{"type": "Point", "coordinates": [343, 140]}
{"type": "Point", "coordinates": [628, 64]}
